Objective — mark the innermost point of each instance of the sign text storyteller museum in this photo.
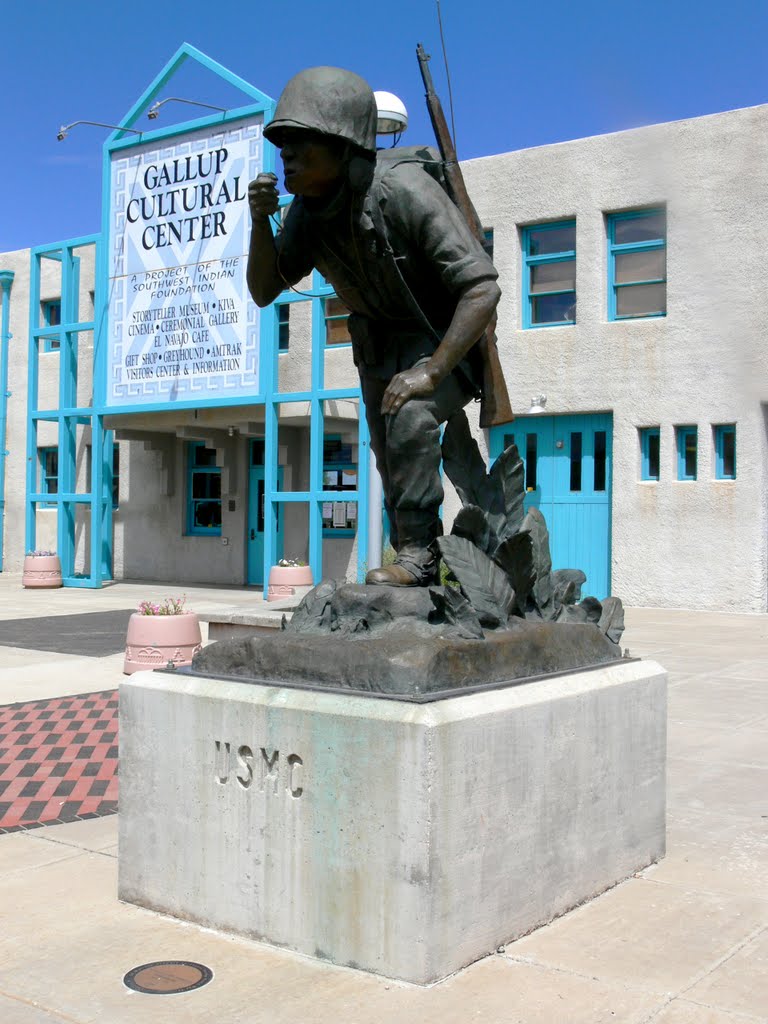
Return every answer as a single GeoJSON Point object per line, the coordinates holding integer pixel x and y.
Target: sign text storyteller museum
{"type": "Point", "coordinates": [181, 324]}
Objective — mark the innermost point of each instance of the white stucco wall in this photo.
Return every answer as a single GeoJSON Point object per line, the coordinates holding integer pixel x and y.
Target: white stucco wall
{"type": "Point", "coordinates": [700, 544]}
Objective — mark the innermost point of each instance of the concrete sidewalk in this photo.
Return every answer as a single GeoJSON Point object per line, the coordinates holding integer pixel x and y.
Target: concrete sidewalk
{"type": "Point", "coordinates": [34, 675]}
{"type": "Point", "coordinates": [684, 942]}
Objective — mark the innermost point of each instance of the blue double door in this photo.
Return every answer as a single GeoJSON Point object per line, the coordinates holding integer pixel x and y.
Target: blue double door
{"type": "Point", "coordinates": [568, 478]}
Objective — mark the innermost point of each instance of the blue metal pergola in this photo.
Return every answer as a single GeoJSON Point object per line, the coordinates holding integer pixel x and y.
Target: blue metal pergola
{"type": "Point", "coordinates": [69, 416]}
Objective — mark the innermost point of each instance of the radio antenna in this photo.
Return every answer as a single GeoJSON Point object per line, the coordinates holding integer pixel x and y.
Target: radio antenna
{"type": "Point", "coordinates": [447, 73]}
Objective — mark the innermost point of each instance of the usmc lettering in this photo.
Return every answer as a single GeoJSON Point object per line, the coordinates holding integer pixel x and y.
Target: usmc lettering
{"type": "Point", "coordinates": [261, 767]}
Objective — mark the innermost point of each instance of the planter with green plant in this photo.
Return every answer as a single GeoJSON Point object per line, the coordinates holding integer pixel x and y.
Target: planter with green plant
{"type": "Point", "coordinates": [284, 577]}
{"type": "Point", "coordinates": [42, 569]}
{"type": "Point", "coordinates": [161, 633]}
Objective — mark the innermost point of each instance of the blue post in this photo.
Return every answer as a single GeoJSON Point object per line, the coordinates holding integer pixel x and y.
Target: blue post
{"type": "Point", "coordinates": [6, 280]}
{"type": "Point", "coordinates": [68, 416]}
{"type": "Point", "coordinates": [316, 435]}
{"type": "Point", "coordinates": [363, 487]}
{"type": "Point", "coordinates": [67, 427]}
{"type": "Point", "coordinates": [33, 363]}
{"type": "Point", "coordinates": [271, 508]}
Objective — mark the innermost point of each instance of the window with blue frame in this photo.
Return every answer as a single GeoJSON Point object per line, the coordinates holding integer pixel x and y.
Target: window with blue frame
{"type": "Point", "coordinates": [725, 451]}
{"type": "Point", "coordinates": [283, 326]}
{"type": "Point", "coordinates": [49, 471]}
{"type": "Point", "coordinates": [637, 264]}
{"type": "Point", "coordinates": [51, 318]}
{"type": "Point", "coordinates": [549, 274]}
{"type": "Point", "coordinates": [488, 241]}
{"type": "Point", "coordinates": [339, 474]}
{"type": "Point", "coordinates": [336, 316]}
{"type": "Point", "coordinates": [203, 491]}
{"type": "Point", "coordinates": [115, 476]}
{"type": "Point", "coordinates": [115, 473]}
{"type": "Point", "coordinates": [687, 452]}
{"type": "Point", "coordinates": [650, 448]}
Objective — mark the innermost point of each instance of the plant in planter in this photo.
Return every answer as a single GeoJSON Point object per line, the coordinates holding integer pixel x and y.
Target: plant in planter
{"type": "Point", "coordinates": [41, 569]}
{"type": "Point", "coordinates": [284, 577]}
{"type": "Point", "coordinates": [161, 633]}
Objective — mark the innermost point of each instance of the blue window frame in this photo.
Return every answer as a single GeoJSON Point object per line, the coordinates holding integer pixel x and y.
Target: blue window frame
{"type": "Point", "coordinates": [637, 264]}
{"type": "Point", "coordinates": [725, 451]}
{"type": "Point", "coordinates": [687, 452]}
{"type": "Point", "coordinates": [339, 474]}
{"type": "Point", "coordinates": [51, 318]}
{"type": "Point", "coordinates": [336, 316]}
{"type": "Point", "coordinates": [115, 473]}
{"type": "Point", "coordinates": [549, 274]}
{"type": "Point", "coordinates": [203, 491]}
{"type": "Point", "coordinates": [283, 326]}
{"type": "Point", "coordinates": [115, 476]}
{"type": "Point", "coordinates": [650, 463]}
{"type": "Point", "coordinates": [49, 471]}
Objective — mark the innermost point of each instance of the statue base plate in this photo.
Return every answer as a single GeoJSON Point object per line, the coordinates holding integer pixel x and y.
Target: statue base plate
{"type": "Point", "coordinates": [408, 664]}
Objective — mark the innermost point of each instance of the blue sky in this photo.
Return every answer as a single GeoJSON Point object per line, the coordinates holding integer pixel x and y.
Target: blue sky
{"type": "Point", "coordinates": [522, 74]}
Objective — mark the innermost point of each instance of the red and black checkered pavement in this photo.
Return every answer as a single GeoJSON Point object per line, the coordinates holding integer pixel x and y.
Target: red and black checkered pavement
{"type": "Point", "coordinates": [58, 760]}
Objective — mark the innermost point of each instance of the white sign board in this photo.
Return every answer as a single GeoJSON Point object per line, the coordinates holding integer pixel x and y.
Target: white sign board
{"type": "Point", "coordinates": [182, 326]}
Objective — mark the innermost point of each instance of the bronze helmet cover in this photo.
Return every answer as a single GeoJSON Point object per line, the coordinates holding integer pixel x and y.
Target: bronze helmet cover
{"type": "Point", "coordinates": [331, 101]}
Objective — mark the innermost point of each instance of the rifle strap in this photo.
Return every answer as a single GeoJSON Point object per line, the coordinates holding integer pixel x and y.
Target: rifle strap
{"type": "Point", "coordinates": [390, 260]}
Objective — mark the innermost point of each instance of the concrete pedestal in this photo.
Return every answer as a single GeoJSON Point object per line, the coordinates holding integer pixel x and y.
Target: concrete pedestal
{"type": "Point", "coordinates": [405, 839]}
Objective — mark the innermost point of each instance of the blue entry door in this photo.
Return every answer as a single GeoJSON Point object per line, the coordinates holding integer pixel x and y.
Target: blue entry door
{"type": "Point", "coordinates": [568, 478]}
{"type": "Point", "coordinates": [255, 537]}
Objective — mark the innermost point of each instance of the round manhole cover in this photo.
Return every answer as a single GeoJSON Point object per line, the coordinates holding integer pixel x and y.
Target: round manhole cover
{"type": "Point", "coordinates": [168, 976]}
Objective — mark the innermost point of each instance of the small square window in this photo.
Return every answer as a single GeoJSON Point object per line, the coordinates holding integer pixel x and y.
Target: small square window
{"type": "Point", "coordinates": [725, 451]}
{"type": "Point", "coordinates": [336, 327]}
{"type": "Point", "coordinates": [49, 471]}
{"type": "Point", "coordinates": [51, 318]}
{"type": "Point", "coordinates": [637, 264]}
{"type": "Point", "coordinates": [488, 241]}
{"type": "Point", "coordinates": [115, 473]}
{"type": "Point", "coordinates": [549, 275]}
{"type": "Point", "coordinates": [116, 476]}
{"type": "Point", "coordinates": [650, 463]}
{"type": "Point", "coordinates": [283, 326]}
{"type": "Point", "coordinates": [687, 452]}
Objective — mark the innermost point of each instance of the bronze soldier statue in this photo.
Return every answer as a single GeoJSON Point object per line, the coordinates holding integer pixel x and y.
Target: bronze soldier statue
{"type": "Point", "coordinates": [400, 255]}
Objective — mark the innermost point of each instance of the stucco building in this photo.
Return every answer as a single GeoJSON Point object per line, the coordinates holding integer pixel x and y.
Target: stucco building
{"type": "Point", "coordinates": [632, 271]}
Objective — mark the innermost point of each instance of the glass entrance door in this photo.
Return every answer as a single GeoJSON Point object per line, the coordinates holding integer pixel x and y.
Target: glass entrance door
{"type": "Point", "coordinates": [255, 539]}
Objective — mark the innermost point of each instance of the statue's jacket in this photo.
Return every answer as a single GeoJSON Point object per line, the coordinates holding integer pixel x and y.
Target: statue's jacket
{"type": "Point", "coordinates": [398, 256]}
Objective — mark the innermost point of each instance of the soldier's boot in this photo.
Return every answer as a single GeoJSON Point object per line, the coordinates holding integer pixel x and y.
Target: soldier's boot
{"type": "Point", "coordinates": [417, 562]}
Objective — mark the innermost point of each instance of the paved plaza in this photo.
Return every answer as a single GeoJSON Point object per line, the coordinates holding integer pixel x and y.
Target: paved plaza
{"type": "Point", "coordinates": [683, 942]}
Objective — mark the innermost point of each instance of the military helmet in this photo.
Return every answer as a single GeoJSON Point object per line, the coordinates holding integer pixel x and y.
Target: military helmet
{"type": "Point", "coordinates": [331, 101]}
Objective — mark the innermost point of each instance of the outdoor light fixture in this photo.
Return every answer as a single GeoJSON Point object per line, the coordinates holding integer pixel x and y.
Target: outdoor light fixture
{"type": "Point", "coordinates": [538, 404]}
{"type": "Point", "coordinates": [393, 117]}
{"type": "Point", "coordinates": [154, 110]}
{"type": "Point", "coordinates": [63, 132]}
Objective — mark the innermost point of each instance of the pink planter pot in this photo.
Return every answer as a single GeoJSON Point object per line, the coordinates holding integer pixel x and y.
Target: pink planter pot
{"type": "Point", "coordinates": [41, 571]}
{"type": "Point", "coordinates": [154, 640]}
{"type": "Point", "coordinates": [283, 579]}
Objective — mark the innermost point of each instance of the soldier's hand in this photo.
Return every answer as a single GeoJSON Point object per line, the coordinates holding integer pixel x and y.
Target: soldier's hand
{"type": "Point", "coordinates": [415, 383]}
{"type": "Point", "coordinates": [262, 195]}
